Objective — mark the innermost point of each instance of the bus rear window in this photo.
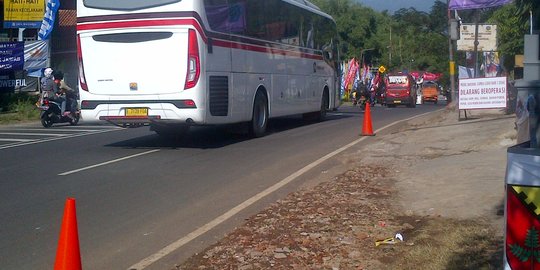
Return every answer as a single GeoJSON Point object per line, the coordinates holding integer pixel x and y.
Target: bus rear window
{"type": "Point", "coordinates": [126, 4]}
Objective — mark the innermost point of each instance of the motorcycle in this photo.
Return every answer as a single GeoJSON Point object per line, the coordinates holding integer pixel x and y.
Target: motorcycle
{"type": "Point", "coordinates": [51, 113]}
{"type": "Point", "coordinates": [354, 98]}
{"type": "Point", "coordinates": [362, 102]}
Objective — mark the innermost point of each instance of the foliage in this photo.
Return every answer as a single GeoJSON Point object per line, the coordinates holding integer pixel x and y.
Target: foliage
{"type": "Point", "coordinates": [17, 107]}
{"type": "Point", "coordinates": [510, 31]}
{"type": "Point", "coordinates": [523, 9]}
{"type": "Point", "coordinates": [415, 40]}
{"type": "Point", "coordinates": [408, 40]}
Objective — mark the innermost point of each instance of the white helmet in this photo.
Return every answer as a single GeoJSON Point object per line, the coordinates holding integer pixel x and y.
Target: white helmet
{"type": "Point", "coordinates": [48, 72]}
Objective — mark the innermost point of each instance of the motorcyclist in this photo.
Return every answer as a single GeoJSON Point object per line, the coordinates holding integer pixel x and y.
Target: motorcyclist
{"type": "Point", "coordinates": [355, 94]}
{"type": "Point", "coordinates": [64, 93]}
{"type": "Point", "coordinates": [46, 85]}
{"type": "Point", "coordinates": [366, 90]}
{"type": "Point", "coordinates": [374, 88]}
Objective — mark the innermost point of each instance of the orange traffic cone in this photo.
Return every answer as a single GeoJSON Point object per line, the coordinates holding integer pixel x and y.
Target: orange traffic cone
{"type": "Point", "coordinates": [367, 129]}
{"type": "Point", "coordinates": [68, 255]}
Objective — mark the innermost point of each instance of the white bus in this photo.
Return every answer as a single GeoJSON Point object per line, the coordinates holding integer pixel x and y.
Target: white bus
{"type": "Point", "coordinates": [178, 63]}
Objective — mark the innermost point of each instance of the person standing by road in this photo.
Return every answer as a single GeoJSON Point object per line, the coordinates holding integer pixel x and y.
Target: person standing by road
{"type": "Point", "coordinates": [534, 116]}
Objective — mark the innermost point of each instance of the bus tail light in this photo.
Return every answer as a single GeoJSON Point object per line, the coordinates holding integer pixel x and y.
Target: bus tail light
{"type": "Point", "coordinates": [82, 77]}
{"type": "Point", "coordinates": [194, 63]}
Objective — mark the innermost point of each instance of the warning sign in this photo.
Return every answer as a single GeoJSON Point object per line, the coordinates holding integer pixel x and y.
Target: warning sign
{"type": "Point", "coordinates": [482, 93]}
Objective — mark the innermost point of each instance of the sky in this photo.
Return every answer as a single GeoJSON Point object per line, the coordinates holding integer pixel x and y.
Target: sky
{"type": "Point", "coordinates": [394, 5]}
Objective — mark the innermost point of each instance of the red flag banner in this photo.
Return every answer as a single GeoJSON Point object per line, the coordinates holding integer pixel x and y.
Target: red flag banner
{"type": "Point", "coordinates": [353, 66]}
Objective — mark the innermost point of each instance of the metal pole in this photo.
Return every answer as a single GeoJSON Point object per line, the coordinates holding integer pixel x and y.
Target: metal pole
{"type": "Point", "coordinates": [20, 37]}
{"type": "Point", "coordinates": [531, 20]}
{"type": "Point", "coordinates": [362, 58]}
{"type": "Point", "coordinates": [476, 18]}
{"type": "Point", "coordinates": [390, 48]}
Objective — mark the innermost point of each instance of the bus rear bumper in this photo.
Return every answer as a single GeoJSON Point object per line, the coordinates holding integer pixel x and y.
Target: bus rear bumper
{"type": "Point", "coordinates": [121, 114]}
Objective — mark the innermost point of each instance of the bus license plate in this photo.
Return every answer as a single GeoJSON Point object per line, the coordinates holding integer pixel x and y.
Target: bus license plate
{"type": "Point", "coordinates": [397, 101]}
{"type": "Point", "coordinates": [136, 111]}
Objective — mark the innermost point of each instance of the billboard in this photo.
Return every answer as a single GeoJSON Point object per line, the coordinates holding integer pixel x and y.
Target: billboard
{"type": "Point", "coordinates": [11, 56]}
{"type": "Point", "coordinates": [487, 37]}
{"type": "Point", "coordinates": [23, 13]}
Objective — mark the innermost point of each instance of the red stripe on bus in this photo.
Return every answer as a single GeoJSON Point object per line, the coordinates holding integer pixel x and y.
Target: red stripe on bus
{"type": "Point", "coordinates": [269, 50]}
{"type": "Point", "coordinates": [141, 23]}
{"type": "Point", "coordinates": [194, 23]}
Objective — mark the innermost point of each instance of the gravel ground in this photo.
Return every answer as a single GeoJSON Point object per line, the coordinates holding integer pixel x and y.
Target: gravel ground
{"type": "Point", "coordinates": [434, 166]}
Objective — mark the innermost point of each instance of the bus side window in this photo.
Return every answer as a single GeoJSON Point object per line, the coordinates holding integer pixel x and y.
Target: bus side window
{"type": "Point", "coordinates": [237, 16]}
{"type": "Point", "coordinates": [226, 17]}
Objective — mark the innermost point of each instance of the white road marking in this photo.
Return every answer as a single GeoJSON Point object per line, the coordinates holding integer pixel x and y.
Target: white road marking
{"type": "Point", "coordinates": [224, 217]}
{"type": "Point", "coordinates": [54, 139]}
{"type": "Point", "coordinates": [56, 129]}
{"type": "Point", "coordinates": [16, 140]}
{"type": "Point", "coordinates": [33, 134]}
{"type": "Point", "coordinates": [107, 162]}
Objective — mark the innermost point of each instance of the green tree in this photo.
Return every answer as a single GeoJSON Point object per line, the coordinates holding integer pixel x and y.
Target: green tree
{"type": "Point", "coordinates": [409, 39]}
{"type": "Point", "coordinates": [526, 6]}
{"type": "Point", "coordinates": [510, 32]}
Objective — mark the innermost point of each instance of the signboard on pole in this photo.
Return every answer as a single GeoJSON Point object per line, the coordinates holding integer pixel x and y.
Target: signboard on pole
{"type": "Point", "coordinates": [23, 13]}
{"type": "Point", "coordinates": [487, 37]}
{"type": "Point", "coordinates": [482, 93]}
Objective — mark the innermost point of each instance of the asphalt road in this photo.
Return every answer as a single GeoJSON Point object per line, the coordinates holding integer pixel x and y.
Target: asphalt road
{"type": "Point", "coordinates": [144, 202]}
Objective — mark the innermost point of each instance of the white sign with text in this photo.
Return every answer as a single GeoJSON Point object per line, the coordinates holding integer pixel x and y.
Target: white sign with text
{"type": "Point", "coordinates": [482, 93]}
{"type": "Point", "coordinates": [487, 37]}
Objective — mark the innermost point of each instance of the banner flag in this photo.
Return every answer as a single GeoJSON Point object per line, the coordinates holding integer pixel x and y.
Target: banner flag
{"type": "Point", "coordinates": [48, 19]}
{"type": "Point", "coordinates": [465, 72]}
{"type": "Point", "coordinates": [491, 64]}
{"type": "Point", "coordinates": [473, 4]}
{"type": "Point", "coordinates": [353, 66]}
{"type": "Point", "coordinates": [356, 79]}
{"type": "Point", "coordinates": [36, 54]}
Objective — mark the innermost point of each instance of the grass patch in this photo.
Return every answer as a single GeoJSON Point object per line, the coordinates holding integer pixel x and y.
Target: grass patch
{"type": "Point", "coordinates": [18, 107]}
{"type": "Point", "coordinates": [451, 244]}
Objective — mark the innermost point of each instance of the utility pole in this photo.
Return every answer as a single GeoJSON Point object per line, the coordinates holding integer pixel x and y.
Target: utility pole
{"type": "Point", "coordinates": [390, 48]}
{"type": "Point", "coordinates": [452, 64]}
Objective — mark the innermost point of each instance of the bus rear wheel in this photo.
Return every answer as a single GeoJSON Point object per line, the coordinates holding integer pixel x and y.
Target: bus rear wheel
{"type": "Point", "coordinates": [259, 120]}
{"type": "Point", "coordinates": [324, 107]}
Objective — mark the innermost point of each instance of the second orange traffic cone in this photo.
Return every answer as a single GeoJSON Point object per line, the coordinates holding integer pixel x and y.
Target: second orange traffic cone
{"type": "Point", "coordinates": [367, 129]}
{"type": "Point", "coordinates": [68, 255]}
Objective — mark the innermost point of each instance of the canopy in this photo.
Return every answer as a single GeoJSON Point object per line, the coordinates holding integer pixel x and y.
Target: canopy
{"type": "Point", "coordinates": [428, 76]}
{"type": "Point", "coordinates": [473, 4]}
